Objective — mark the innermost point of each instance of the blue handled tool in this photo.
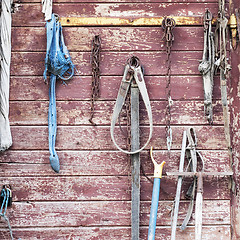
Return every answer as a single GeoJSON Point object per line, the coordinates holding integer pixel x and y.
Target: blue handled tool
{"type": "Point", "coordinates": [155, 197]}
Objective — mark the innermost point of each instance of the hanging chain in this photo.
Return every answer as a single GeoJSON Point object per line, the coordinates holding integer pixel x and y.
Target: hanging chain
{"type": "Point", "coordinates": [96, 47]}
{"type": "Point", "coordinates": [168, 24]}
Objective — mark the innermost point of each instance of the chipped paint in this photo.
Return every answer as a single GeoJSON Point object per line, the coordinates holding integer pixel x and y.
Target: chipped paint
{"type": "Point", "coordinates": [94, 181]}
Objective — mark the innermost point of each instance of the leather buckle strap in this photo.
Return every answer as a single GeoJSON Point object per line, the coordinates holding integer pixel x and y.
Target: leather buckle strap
{"type": "Point", "coordinates": [192, 155]}
{"type": "Point", "coordinates": [132, 71]}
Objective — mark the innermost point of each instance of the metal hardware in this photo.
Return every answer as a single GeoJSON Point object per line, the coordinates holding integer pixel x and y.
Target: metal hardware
{"type": "Point", "coordinates": [224, 67]}
{"type": "Point", "coordinates": [137, 76]}
{"type": "Point", "coordinates": [168, 24]}
{"type": "Point", "coordinates": [233, 28]}
{"type": "Point", "coordinates": [237, 12]}
{"type": "Point", "coordinates": [191, 154]}
{"type": "Point", "coordinates": [199, 197]}
{"type": "Point", "coordinates": [96, 47]}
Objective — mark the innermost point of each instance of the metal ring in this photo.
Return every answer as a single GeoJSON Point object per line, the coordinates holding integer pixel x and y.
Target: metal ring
{"type": "Point", "coordinates": [67, 78]}
{"type": "Point", "coordinates": [133, 61]}
{"type": "Point", "coordinates": [57, 17]}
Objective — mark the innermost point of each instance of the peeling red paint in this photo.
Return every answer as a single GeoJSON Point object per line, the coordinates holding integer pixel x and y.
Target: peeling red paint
{"type": "Point", "coordinates": [90, 197]}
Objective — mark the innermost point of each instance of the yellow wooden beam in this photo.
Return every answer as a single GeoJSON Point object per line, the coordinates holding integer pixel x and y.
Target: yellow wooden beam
{"type": "Point", "coordinates": [111, 21]}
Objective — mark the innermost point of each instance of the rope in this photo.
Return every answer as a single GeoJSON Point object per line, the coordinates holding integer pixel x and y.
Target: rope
{"type": "Point", "coordinates": [47, 9]}
{"type": "Point", "coordinates": [5, 59]}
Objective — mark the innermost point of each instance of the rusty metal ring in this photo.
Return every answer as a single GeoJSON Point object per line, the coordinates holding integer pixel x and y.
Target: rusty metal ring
{"type": "Point", "coordinates": [133, 61]}
{"type": "Point", "coordinates": [168, 22]}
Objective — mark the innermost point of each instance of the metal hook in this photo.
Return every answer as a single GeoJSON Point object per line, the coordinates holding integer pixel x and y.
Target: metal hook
{"type": "Point", "coordinates": [57, 17]}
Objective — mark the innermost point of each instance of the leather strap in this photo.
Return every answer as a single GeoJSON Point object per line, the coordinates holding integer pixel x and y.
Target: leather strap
{"type": "Point", "coordinates": [131, 72]}
{"type": "Point", "coordinates": [179, 186]}
{"type": "Point", "coordinates": [206, 66]}
{"type": "Point", "coordinates": [192, 156]}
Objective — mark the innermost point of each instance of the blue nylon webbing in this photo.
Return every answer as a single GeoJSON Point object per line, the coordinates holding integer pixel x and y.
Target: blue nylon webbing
{"type": "Point", "coordinates": [5, 194]}
{"type": "Point", "coordinates": [57, 62]}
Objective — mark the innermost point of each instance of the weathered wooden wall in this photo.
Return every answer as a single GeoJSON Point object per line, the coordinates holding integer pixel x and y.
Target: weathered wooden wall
{"type": "Point", "coordinates": [90, 197]}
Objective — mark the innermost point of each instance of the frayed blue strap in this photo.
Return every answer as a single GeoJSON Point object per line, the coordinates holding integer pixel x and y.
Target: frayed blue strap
{"type": "Point", "coordinates": [52, 125]}
{"type": "Point", "coordinates": [6, 194]}
{"type": "Point", "coordinates": [58, 63]}
{"type": "Point", "coordinates": [58, 60]}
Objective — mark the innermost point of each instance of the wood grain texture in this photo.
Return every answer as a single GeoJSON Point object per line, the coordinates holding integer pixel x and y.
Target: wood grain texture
{"type": "Point", "coordinates": [79, 88]}
{"type": "Point", "coordinates": [77, 113]}
{"type": "Point", "coordinates": [120, 1]}
{"type": "Point", "coordinates": [113, 38]}
{"type": "Point", "coordinates": [113, 63]}
{"type": "Point", "coordinates": [30, 14]}
{"type": "Point", "coordinates": [104, 188]}
{"type": "Point", "coordinates": [106, 213]}
{"type": "Point", "coordinates": [98, 163]}
{"type": "Point", "coordinates": [98, 138]}
{"type": "Point", "coordinates": [113, 233]}
{"type": "Point", "coordinates": [90, 198]}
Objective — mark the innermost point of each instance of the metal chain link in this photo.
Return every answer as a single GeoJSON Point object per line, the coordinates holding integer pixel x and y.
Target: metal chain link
{"type": "Point", "coordinates": [168, 24]}
{"type": "Point", "coordinates": [96, 47]}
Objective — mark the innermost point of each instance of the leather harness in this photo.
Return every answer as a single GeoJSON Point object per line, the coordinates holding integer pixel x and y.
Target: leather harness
{"type": "Point", "coordinates": [207, 66]}
{"type": "Point", "coordinates": [189, 145]}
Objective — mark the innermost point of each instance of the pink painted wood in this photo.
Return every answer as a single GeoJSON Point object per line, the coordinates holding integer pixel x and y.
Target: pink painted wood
{"type": "Point", "coordinates": [90, 198]}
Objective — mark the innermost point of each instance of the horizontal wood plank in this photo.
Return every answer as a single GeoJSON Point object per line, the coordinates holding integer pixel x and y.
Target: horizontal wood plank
{"type": "Point", "coordinates": [78, 113]}
{"type": "Point", "coordinates": [113, 39]}
{"type": "Point", "coordinates": [79, 88]}
{"type": "Point", "coordinates": [118, 1]}
{"type": "Point", "coordinates": [105, 188]}
{"type": "Point", "coordinates": [98, 163]}
{"type": "Point", "coordinates": [107, 213]}
{"type": "Point", "coordinates": [114, 233]}
{"type": "Point", "coordinates": [98, 138]}
{"type": "Point", "coordinates": [31, 15]}
{"type": "Point", "coordinates": [113, 63]}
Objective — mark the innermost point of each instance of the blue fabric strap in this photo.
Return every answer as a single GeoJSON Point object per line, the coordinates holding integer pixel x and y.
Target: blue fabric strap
{"type": "Point", "coordinates": [58, 63]}
{"type": "Point", "coordinates": [5, 194]}
{"type": "Point", "coordinates": [52, 125]}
